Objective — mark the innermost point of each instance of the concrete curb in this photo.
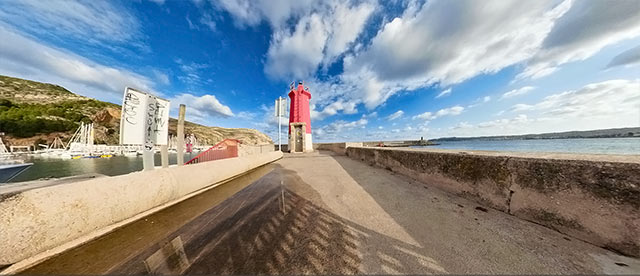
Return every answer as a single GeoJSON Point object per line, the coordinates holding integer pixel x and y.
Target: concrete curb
{"type": "Point", "coordinates": [42, 219]}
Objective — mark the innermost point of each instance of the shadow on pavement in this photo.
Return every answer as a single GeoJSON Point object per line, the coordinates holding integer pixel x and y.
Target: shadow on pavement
{"type": "Point", "coordinates": [270, 227]}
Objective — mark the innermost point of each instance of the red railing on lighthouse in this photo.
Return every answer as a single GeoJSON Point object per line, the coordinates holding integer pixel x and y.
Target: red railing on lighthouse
{"type": "Point", "coordinates": [227, 148]}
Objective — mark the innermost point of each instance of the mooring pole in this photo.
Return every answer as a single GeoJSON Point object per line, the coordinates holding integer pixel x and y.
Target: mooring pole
{"type": "Point", "coordinates": [180, 145]}
{"type": "Point", "coordinates": [164, 155]}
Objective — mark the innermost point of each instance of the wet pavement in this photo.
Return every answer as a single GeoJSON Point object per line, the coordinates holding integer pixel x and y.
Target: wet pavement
{"type": "Point", "coordinates": [319, 213]}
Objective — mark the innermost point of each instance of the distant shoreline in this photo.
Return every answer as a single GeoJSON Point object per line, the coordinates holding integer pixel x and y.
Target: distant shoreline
{"type": "Point", "coordinates": [456, 139]}
{"type": "Point", "coordinates": [631, 132]}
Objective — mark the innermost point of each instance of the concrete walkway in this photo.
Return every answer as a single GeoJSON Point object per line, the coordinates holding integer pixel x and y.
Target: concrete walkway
{"type": "Point", "coordinates": [319, 213]}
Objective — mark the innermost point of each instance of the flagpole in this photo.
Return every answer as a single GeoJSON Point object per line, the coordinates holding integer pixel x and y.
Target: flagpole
{"type": "Point", "coordinates": [279, 125]}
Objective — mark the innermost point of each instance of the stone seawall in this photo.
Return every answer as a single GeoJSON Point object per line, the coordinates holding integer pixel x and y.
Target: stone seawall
{"type": "Point", "coordinates": [43, 219]}
{"type": "Point", "coordinates": [592, 200]}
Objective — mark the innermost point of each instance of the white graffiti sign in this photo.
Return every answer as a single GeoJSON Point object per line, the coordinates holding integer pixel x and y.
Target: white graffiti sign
{"type": "Point", "coordinates": [144, 119]}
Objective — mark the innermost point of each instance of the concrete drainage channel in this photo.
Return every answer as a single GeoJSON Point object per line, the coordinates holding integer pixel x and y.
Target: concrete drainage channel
{"type": "Point", "coordinates": [594, 200]}
{"type": "Point", "coordinates": [42, 222]}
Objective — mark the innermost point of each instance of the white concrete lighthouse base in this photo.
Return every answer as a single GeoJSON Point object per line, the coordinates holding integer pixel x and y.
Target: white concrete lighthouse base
{"type": "Point", "coordinates": [299, 140]}
{"type": "Point", "coordinates": [308, 144]}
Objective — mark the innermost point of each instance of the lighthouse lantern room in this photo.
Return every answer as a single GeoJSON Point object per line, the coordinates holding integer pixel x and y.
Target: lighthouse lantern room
{"type": "Point", "coordinates": [299, 119]}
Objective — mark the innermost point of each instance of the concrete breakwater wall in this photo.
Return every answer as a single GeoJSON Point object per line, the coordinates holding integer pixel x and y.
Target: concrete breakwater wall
{"type": "Point", "coordinates": [340, 148]}
{"type": "Point", "coordinates": [246, 150]}
{"type": "Point", "coordinates": [41, 219]}
{"type": "Point", "coordinates": [595, 201]}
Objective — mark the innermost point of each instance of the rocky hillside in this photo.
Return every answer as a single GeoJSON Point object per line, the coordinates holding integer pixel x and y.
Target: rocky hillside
{"type": "Point", "coordinates": [34, 113]}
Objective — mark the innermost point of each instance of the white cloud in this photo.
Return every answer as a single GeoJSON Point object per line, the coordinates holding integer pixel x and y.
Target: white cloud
{"type": "Point", "coordinates": [424, 116]}
{"type": "Point", "coordinates": [520, 124]}
{"type": "Point", "coordinates": [161, 77]}
{"type": "Point", "coordinates": [454, 110]}
{"type": "Point", "coordinates": [607, 104]}
{"type": "Point", "coordinates": [191, 25]}
{"type": "Point", "coordinates": [626, 58]}
{"type": "Point", "coordinates": [202, 107]}
{"type": "Point", "coordinates": [27, 58]}
{"type": "Point", "coordinates": [450, 111]}
{"type": "Point", "coordinates": [246, 115]}
{"type": "Point", "coordinates": [191, 72]}
{"type": "Point", "coordinates": [267, 123]}
{"type": "Point", "coordinates": [276, 12]}
{"type": "Point", "coordinates": [208, 21]}
{"type": "Point", "coordinates": [479, 101]}
{"type": "Point", "coordinates": [333, 109]}
{"type": "Point", "coordinates": [339, 128]}
{"type": "Point", "coordinates": [585, 29]}
{"type": "Point", "coordinates": [88, 21]}
{"type": "Point", "coordinates": [616, 99]}
{"type": "Point", "coordinates": [346, 22]}
{"type": "Point", "coordinates": [517, 92]}
{"type": "Point", "coordinates": [299, 53]}
{"type": "Point", "coordinates": [462, 125]}
{"type": "Point", "coordinates": [423, 47]}
{"type": "Point", "coordinates": [444, 93]}
{"type": "Point", "coordinates": [317, 38]}
{"type": "Point", "coordinates": [504, 122]}
{"type": "Point", "coordinates": [519, 107]}
{"type": "Point", "coordinates": [321, 32]}
{"type": "Point", "coordinates": [395, 115]}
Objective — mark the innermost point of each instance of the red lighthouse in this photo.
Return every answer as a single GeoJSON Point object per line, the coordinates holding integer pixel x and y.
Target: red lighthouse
{"type": "Point", "coordinates": [299, 119]}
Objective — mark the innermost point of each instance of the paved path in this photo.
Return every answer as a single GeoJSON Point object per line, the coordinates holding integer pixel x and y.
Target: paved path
{"type": "Point", "coordinates": [323, 214]}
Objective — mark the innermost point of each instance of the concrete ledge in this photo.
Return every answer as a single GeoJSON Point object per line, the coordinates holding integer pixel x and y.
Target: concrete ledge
{"type": "Point", "coordinates": [40, 219]}
{"type": "Point", "coordinates": [246, 150]}
{"type": "Point", "coordinates": [595, 201]}
{"type": "Point", "coordinates": [339, 148]}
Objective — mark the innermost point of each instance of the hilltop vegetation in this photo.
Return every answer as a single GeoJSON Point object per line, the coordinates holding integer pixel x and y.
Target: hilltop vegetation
{"type": "Point", "coordinates": [28, 119]}
{"type": "Point", "coordinates": [35, 113]}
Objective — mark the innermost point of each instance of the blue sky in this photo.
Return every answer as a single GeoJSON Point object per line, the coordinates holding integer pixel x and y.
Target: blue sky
{"type": "Point", "coordinates": [377, 70]}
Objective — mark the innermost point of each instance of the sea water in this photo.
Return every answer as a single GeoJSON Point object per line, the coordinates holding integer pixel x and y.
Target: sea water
{"type": "Point", "coordinates": [583, 145]}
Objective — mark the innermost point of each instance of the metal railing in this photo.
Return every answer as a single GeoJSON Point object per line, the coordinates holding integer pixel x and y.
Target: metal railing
{"type": "Point", "coordinates": [227, 148]}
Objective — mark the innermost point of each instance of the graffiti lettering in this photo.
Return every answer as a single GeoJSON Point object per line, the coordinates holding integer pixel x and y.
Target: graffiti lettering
{"type": "Point", "coordinates": [130, 107]}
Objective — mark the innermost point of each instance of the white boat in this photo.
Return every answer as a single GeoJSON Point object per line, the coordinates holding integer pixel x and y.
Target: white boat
{"type": "Point", "coordinates": [130, 153]}
{"type": "Point", "coordinates": [9, 169]}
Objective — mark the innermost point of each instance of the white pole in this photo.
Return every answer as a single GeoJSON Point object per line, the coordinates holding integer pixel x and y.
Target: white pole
{"type": "Point", "coordinates": [164, 155]}
{"type": "Point", "coordinates": [279, 124]}
{"type": "Point", "coordinates": [180, 138]}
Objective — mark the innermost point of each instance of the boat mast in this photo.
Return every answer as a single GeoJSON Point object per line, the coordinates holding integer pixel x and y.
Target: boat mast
{"type": "Point", "coordinates": [3, 148]}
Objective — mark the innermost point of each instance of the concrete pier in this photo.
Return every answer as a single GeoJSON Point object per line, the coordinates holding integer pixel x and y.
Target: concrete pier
{"type": "Point", "coordinates": [324, 213]}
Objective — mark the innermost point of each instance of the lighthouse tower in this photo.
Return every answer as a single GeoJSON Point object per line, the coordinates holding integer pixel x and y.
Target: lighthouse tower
{"type": "Point", "coordinates": [299, 119]}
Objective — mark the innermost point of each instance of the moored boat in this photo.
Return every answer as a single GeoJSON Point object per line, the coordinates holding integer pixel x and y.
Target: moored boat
{"type": "Point", "coordinates": [9, 169]}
